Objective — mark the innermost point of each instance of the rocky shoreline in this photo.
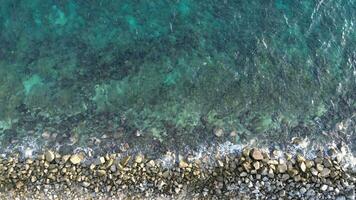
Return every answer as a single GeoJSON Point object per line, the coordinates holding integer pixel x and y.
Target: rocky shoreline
{"type": "Point", "coordinates": [250, 174]}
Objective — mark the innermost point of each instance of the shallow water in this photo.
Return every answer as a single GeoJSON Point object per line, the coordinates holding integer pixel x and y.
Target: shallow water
{"type": "Point", "coordinates": [176, 75]}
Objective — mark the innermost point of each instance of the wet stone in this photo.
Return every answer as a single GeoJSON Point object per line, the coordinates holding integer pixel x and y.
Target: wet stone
{"type": "Point", "coordinates": [256, 154]}
{"type": "Point", "coordinates": [248, 175]}
{"type": "Point", "coordinates": [76, 159]}
{"type": "Point", "coordinates": [139, 158]}
{"type": "Point", "coordinates": [49, 156]}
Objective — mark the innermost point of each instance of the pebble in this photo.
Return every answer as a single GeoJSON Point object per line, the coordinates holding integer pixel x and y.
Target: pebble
{"type": "Point", "coordinates": [139, 158]}
{"type": "Point", "coordinates": [310, 193]}
{"type": "Point", "coordinates": [99, 161]}
{"type": "Point", "coordinates": [282, 168]}
{"type": "Point", "coordinates": [243, 174]}
{"type": "Point", "coordinates": [303, 190]}
{"type": "Point", "coordinates": [256, 154]}
{"type": "Point", "coordinates": [86, 184]}
{"type": "Point", "coordinates": [101, 172]}
{"type": "Point", "coordinates": [323, 187]}
{"type": "Point", "coordinates": [76, 159]}
{"type": "Point", "coordinates": [183, 164]}
{"type": "Point", "coordinates": [325, 172]}
{"type": "Point", "coordinates": [256, 176]}
{"type": "Point", "coordinates": [49, 156]}
{"type": "Point", "coordinates": [314, 171]}
{"type": "Point", "coordinates": [125, 160]}
{"type": "Point", "coordinates": [256, 165]}
{"type": "Point", "coordinates": [302, 166]}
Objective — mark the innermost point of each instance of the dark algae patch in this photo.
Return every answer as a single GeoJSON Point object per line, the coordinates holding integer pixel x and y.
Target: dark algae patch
{"type": "Point", "coordinates": [151, 77]}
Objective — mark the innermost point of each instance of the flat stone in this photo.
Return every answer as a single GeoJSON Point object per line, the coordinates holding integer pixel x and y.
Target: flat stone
{"type": "Point", "coordinates": [76, 159]}
{"type": "Point", "coordinates": [49, 156]}
{"type": "Point", "coordinates": [256, 154]}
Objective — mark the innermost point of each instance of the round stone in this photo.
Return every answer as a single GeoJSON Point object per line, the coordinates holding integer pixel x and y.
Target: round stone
{"type": "Point", "coordinates": [49, 156]}
{"type": "Point", "coordinates": [256, 154]}
{"type": "Point", "coordinates": [323, 187]}
{"type": "Point", "coordinates": [325, 172]}
{"type": "Point", "coordinates": [282, 168]}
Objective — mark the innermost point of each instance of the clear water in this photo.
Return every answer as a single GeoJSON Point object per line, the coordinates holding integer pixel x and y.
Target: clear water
{"type": "Point", "coordinates": [162, 75]}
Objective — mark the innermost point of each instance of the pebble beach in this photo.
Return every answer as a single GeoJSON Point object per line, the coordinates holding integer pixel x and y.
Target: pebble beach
{"type": "Point", "coordinates": [250, 174]}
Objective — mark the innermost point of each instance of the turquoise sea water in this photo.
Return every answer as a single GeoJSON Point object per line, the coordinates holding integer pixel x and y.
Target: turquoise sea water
{"type": "Point", "coordinates": [161, 75]}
